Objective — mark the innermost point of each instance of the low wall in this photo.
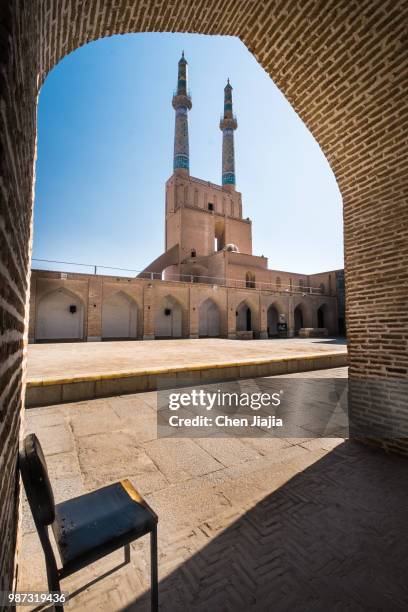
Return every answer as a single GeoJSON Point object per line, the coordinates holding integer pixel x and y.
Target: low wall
{"type": "Point", "coordinates": [57, 391]}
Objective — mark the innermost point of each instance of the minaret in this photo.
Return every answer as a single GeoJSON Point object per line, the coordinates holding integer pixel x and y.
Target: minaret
{"type": "Point", "coordinates": [181, 104]}
{"type": "Point", "coordinates": [228, 124]}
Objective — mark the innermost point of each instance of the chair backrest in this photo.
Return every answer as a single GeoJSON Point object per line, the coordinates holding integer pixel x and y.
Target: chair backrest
{"type": "Point", "coordinates": [36, 482]}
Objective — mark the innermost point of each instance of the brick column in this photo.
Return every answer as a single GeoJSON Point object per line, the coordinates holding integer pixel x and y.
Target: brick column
{"type": "Point", "coordinates": [314, 314]}
{"type": "Point", "coordinates": [193, 312]}
{"type": "Point", "coordinates": [232, 323]}
{"type": "Point", "coordinates": [94, 321]}
{"type": "Point", "coordinates": [291, 318]}
{"type": "Point", "coordinates": [148, 312]}
{"type": "Point", "coordinates": [263, 318]}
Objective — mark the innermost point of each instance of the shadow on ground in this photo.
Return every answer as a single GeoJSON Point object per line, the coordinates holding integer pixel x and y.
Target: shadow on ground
{"type": "Point", "coordinates": [334, 537]}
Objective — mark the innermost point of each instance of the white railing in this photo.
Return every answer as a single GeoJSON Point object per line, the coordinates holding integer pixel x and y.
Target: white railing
{"type": "Point", "coordinates": [233, 283]}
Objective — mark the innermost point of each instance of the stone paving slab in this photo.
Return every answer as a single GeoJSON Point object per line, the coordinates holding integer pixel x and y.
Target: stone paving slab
{"type": "Point", "coordinates": [66, 372]}
{"type": "Point", "coordinates": [244, 523]}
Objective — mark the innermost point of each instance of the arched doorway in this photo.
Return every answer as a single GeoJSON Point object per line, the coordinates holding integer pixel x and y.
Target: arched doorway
{"type": "Point", "coordinates": [119, 317]}
{"type": "Point", "coordinates": [365, 199]}
{"type": "Point", "coordinates": [208, 319]}
{"type": "Point", "coordinates": [60, 316]}
{"type": "Point", "coordinates": [244, 317]}
{"type": "Point", "coordinates": [169, 319]}
{"type": "Point", "coordinates": [322, 316]}
{"type": "Point", "coordinates": [299, 319]}
{"type": "Point", "coordinates": [272, 321]}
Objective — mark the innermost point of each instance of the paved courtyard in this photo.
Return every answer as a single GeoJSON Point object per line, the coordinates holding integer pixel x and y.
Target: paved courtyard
{"type": "Point", "coordinates": [244, 523]}
{"type": "Point", "coordinates": [93, 358]}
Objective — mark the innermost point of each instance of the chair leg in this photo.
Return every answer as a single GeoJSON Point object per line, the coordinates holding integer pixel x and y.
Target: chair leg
{"type": "Point", "coordinates": [127, 553]}
{"type": "Point", "coordinates": [153, 571]}
{"type": "Point", "coordinates": [52, 570]}
{"type": "Point", "coordinates": [54, 584]}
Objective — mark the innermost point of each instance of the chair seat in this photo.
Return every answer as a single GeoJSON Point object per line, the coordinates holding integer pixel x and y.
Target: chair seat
{"type": "Point", "coordinates": [100, 521]}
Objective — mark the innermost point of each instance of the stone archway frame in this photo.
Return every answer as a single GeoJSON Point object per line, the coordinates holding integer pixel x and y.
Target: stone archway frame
{"type": "Point", "coordinates": [340, 64]}
{"type": "Point", "coordinates": [338, 107]}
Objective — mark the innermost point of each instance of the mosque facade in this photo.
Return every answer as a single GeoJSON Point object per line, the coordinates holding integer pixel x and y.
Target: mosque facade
{"type": "Point", "coordinates": [206, 283]}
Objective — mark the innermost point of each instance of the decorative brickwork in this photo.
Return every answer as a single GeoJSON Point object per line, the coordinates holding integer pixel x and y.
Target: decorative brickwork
{"type": "Point", "coordinates": [92, 293]}
{"type": "Point", "coordinates": [181, 104]}
{"type": "Point", "coordinates": [228, 124]}
{"type": "Point", "coordinates": [342, 64]}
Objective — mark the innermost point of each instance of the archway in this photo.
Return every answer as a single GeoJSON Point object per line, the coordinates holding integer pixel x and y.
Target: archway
{"type": "Point", "coordinates": [322, 316]}
{"type": "Point", "coordinates": [371, 181]}
{"type": "Point", "coordinates": [244, 317]}
{"type": "Point", "coordinates": [169, 319]}
{"type": "Point", "coordinates": [208, 319]}
{"type": "Point", "coordinates": [299, 318]}
{"type": "Point", "coordinates": [119, 317]}
{"type": "Point", "coordinates": [272, 321]}
{"type": "Point", "coordinates": [60, 316]}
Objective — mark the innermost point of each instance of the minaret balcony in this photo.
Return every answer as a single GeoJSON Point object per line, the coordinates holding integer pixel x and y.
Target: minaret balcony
{"type": "Point", "coordinates": [181, 100]}
{"type": "Point", "coordinates": [228, 123]}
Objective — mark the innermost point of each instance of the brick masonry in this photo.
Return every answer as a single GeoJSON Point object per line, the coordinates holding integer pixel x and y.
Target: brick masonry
{"type": "Point", "coordinates": [341, 64]}
{"type": "Point", "coordinates": [92, 291]}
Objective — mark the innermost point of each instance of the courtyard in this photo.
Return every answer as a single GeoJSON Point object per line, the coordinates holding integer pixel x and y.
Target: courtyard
{"type": "Point", "coordinates": [48, 361]}
{"type": "Point", "coordinates": [244, 523]}
{"type": "Point", "coordinates": [66, 372]}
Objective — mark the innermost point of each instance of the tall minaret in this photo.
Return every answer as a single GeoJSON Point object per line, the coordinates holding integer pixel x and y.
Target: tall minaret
{"type": "Point", "coordinates": [181, 104]}
{"type": "Point", "coordinates": [228, 124]}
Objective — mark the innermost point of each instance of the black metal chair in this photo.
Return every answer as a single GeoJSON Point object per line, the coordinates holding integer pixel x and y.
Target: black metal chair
{"type": "Point", "coordinates": [87, 527]}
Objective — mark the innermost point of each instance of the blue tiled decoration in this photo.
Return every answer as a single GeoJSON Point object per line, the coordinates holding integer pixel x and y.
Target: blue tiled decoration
{"type": "Point", "coordinates": [181, 161]}
{"type": "Point", "coordinates": [228, 178]}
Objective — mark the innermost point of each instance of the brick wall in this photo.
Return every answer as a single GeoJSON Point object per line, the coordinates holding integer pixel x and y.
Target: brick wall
{"type": "Point", "coordinates": [92, 290]}
{"type": "Point", "coordinates": [18, 92]}
{"type": "Point", "coordinates": [341, 64]}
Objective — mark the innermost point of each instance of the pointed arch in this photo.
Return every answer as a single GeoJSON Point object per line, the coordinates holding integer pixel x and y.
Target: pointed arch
{"type": "Point", "coordinates": [244, 317]}
{"type": "Point", "coordinates": [272, 318]}
{"type": "Point", "coordinates": [209, 319]}
{"type": "Point", "coordinates": [119, 316]}
{"type": "Point", "coordinates": [60, 316]}
{"type": "Point", "coordinates": [299, 316]}
{"type": "Point", "coordinates": [168, 322]}
{"type": "Point", "coordinates": [322, 316]}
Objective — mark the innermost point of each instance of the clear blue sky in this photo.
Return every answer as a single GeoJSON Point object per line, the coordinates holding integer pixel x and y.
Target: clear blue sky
{"type": "Point", "coordinates": [105, 147]}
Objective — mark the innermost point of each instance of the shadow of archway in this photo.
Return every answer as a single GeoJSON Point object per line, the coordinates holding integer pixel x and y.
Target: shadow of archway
{"type": "Point", "coordinates": [331, 538]}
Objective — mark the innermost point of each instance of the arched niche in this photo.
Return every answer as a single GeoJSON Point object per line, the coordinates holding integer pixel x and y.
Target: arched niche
{"type": "Point", "coordinates": [60, 316]}
{"type": "Point", "coordinates": [119, 317]}
{"type": "Point", "coordinates": [244, 318]}
{"type": "Point", "coordinates": [168, 321]}
{"type": "Point", "coordinates": [209, 319]}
